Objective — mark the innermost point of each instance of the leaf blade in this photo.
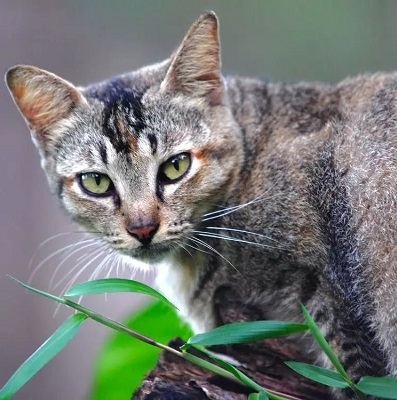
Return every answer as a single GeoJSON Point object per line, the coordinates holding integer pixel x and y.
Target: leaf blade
{"type": "Point", "coordinates": [48, 350]}
{"type": "Point", "coordinates": [320, 339]}
{"type": "Point", "coordinates": [241, 332]}
{"type": "Point", "coordinates": [114, 285]}
{"type": "Point", "coordinates": [38, 291]}
{"type": "Point", "coordinates": [258, 396]}
{"type": "Point", "coordinates": [318, 374]}
{"type": "Point", "coordinates": [385, 386]}
{"type": "Point", "coordinates": [123, 362]}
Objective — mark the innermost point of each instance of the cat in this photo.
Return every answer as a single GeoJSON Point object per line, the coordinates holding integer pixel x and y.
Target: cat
{"type": "Point", "coordinates": [281, 193]}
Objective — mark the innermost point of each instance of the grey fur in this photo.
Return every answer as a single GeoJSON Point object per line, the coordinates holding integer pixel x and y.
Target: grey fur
{"type": "Point", "coordinates": [306, 173]}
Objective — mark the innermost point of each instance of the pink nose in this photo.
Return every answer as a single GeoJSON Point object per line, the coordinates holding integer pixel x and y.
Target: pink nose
{"type": "Point", "coordinates": [144, 232]}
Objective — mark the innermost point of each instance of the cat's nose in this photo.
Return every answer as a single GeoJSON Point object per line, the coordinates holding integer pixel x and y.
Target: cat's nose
{"type": "Point", "coordinates": [143, 231]}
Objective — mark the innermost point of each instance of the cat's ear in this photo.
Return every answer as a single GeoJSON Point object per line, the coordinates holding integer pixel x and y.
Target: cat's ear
{"type": "Point", "coordinates": [195, 67]}
{"type": "Point", "coordinates": [43, 98]}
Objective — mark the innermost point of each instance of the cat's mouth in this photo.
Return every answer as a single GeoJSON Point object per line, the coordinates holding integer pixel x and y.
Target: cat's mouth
{"type": "Point", "coordinates": [151, 253]}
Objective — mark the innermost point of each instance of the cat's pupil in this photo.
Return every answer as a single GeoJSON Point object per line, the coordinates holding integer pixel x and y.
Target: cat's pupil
{"type": "Point", "coordinates": [97, 178]}
{"type": "Point", "coordinates": [175, 163]}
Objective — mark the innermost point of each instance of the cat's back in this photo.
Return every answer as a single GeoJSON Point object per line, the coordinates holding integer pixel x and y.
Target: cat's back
{"type": "Point", "coordinates": [326, 156]}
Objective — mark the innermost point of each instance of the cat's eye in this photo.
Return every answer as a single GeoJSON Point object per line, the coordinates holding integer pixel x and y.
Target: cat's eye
{"type": "Point", "coordinates": [174, 168]}
{"type": "Point", "coordinates": [96, 184]}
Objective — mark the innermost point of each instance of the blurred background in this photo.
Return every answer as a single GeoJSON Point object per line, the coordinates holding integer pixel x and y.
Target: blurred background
{"type": "Point", "coordinates": [85, 41]}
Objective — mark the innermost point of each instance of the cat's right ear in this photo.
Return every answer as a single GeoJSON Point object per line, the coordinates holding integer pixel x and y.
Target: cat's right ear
{"type": "Point", "coordinates": [195, 68]}
{"type": "Point", "coordinates": [43, 99]}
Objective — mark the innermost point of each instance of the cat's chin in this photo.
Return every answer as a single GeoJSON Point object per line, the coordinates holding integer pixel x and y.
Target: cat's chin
{"type": "Point", "coordinates": [150, 255]}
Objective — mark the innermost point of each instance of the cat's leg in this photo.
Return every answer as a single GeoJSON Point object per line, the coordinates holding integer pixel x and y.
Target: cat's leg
{"type": "Point", "coordinates": [385, 324]}
{"type": "Point", "coordinates": [352, 340]}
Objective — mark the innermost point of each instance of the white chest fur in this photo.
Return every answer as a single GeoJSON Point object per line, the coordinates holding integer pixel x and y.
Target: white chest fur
{"type": "Point", "coordinates": [178, 284]}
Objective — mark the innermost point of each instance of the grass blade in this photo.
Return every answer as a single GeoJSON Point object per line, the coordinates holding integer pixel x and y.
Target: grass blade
{"type": "Point", "coordinates": [241, 332]}
{"type": "Point", "coordinates": [112, 285]}
{"type": "Point", "coordinates": [48, 350]}
{"type": "Point", "coordinates": [258, 396]}
{"type": "Point", "coordinates": [385, 387]}
{"type": "Point", "coordinates": [318, 336]}
{"type": "Point", "coordinates": [38, 291]}
{"type": "Point", "coordinates": [244, 379]}
{"type": "Point", "coordinates": [113, 378]}
{"type": "Point", "coordinates": [319, 374]}
{"type": "Point", "coordinates": [241, 377]}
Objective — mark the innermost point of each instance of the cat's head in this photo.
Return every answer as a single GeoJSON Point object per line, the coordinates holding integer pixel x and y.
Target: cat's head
{"type": "Point", "coordinates": [138, 159]}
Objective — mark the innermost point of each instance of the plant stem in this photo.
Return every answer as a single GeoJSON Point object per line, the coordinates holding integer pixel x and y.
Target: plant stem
{"type": "Point", "coordinates": [121, 328]}
{"type": "Point", "coordinates": [118, 327]}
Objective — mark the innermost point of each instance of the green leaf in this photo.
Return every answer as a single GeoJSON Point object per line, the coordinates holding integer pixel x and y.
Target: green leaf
{"type": "Point", "coordinates": [318, 374]}
{"type": "Point", "coordinates": [48, 350]}
{"type": "Point", "coordinates": [244, 379]}
{"type": "Point", "coordinates": [38, 291]}
{"type": "Point", "coordinates": [112, 285]}
{"type": "Point", "coordinates": [385, 387]}
{"type": "Point", "coordinates": [318, 336]}
{"type": "Point", "coordinates": [123, 361]}
{"type": "Point", "coordinates": [258, 396]}
{"type": "Point", "coordinates": [241, 332]}
{"type": "Point", "coordinates": [273, 396]}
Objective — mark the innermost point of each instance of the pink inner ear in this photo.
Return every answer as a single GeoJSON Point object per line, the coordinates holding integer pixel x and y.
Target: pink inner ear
{"type": "Point", "coordinates": [42, 108]}
{"type": "Point", "coordinates": [35, 115]}
{"type": "Point", "coordinates": [18, 91]}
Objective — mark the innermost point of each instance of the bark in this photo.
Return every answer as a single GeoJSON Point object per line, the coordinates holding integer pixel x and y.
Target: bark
{"type": "Point", "coordinates": [176, 379]}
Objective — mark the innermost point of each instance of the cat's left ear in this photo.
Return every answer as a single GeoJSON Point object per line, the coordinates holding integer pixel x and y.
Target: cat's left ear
{"type": "Point", "coordinates": [195, 69]}
{"type": "Point", "coordinates": [43, 98]}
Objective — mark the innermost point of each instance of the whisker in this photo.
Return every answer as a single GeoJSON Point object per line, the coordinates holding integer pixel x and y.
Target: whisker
{"type": "Point", "coordinates": [184, 248]}
{"type": "Point", "coordinates": [51, 239]}
{"type": "Point", "coordinates": [242, 231]}
{"type": "Point", "coordinates": [116, 265]}
{"type": "Point", "coordinates": [121, 263]}
{"type": "Point", "coordinates": [196, 248]}
{"type": "Point", "coordinates": [100, 267]}
{"type": "Point", "coordinates": [229, 238]}
{"type": "Point", "coordinates": [75, 277]}
{"type": "Point", "coordinates": [79, 272]}
{"type": "Point", "coordinates": [97, 253]}
{"type": "Point", "coordinates": [199, 241]}
{"type": "Point", "coordinates": [86, 245]}
{"type": "Point", "coordinates": [55, 253]}
{"type": "Point", "coordinates": [229, 210]}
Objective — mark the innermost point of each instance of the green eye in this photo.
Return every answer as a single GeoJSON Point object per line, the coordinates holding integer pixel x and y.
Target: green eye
{"type": "Point", "coordinates": [174, 168]}
{"type": "Point", "coordinates": [96, 184]}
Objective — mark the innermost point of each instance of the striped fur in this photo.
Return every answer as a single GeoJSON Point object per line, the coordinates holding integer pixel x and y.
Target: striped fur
{"type": "Point", "coordinates": [290, 196]}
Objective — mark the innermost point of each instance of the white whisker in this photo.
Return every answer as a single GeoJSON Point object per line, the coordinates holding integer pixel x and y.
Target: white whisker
{"type": "Point", "coordinates": [232, 239]}
{"type": "Point", "coordinates": [75, 277]}
{"type": "Point", "coordinates": [199, 241]}
{"type": "Point", "coordinates": [98, 270]}
{"type": "Point", "coordinates": [92, 242]}
{"type": "Point", "coordinates": [184, 248]}
{"type": "Point", "coordinates": [229, 210]}
{"type": "Point", "coordinates": [52, 255]}
{"type": "Point", "coordinates": [196, 248]}
{"type": "Point", "coordinates": [97, 253]}
{"type": "Point", "coordinates": [241, 231]}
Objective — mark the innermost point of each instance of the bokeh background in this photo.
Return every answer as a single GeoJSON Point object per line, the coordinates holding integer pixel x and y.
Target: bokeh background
{"type": "Point", "coordinates": [88, 40]}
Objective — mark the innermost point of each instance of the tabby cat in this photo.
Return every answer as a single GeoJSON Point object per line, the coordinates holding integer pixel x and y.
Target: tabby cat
{"type": "Point", "coordinates": [281, 193]}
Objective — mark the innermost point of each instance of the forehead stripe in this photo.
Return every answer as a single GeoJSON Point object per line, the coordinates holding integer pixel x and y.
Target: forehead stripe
{"type": "Point", "coordinates": [103, 153]}
{"type": "Point", "coordinates": [122, 114]}
{"type": "Point", "coordinates": [153, 142]}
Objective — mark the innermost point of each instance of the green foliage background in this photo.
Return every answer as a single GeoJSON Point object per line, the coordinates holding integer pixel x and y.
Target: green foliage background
{"type": "Point", "coordinates": [123, 361]}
